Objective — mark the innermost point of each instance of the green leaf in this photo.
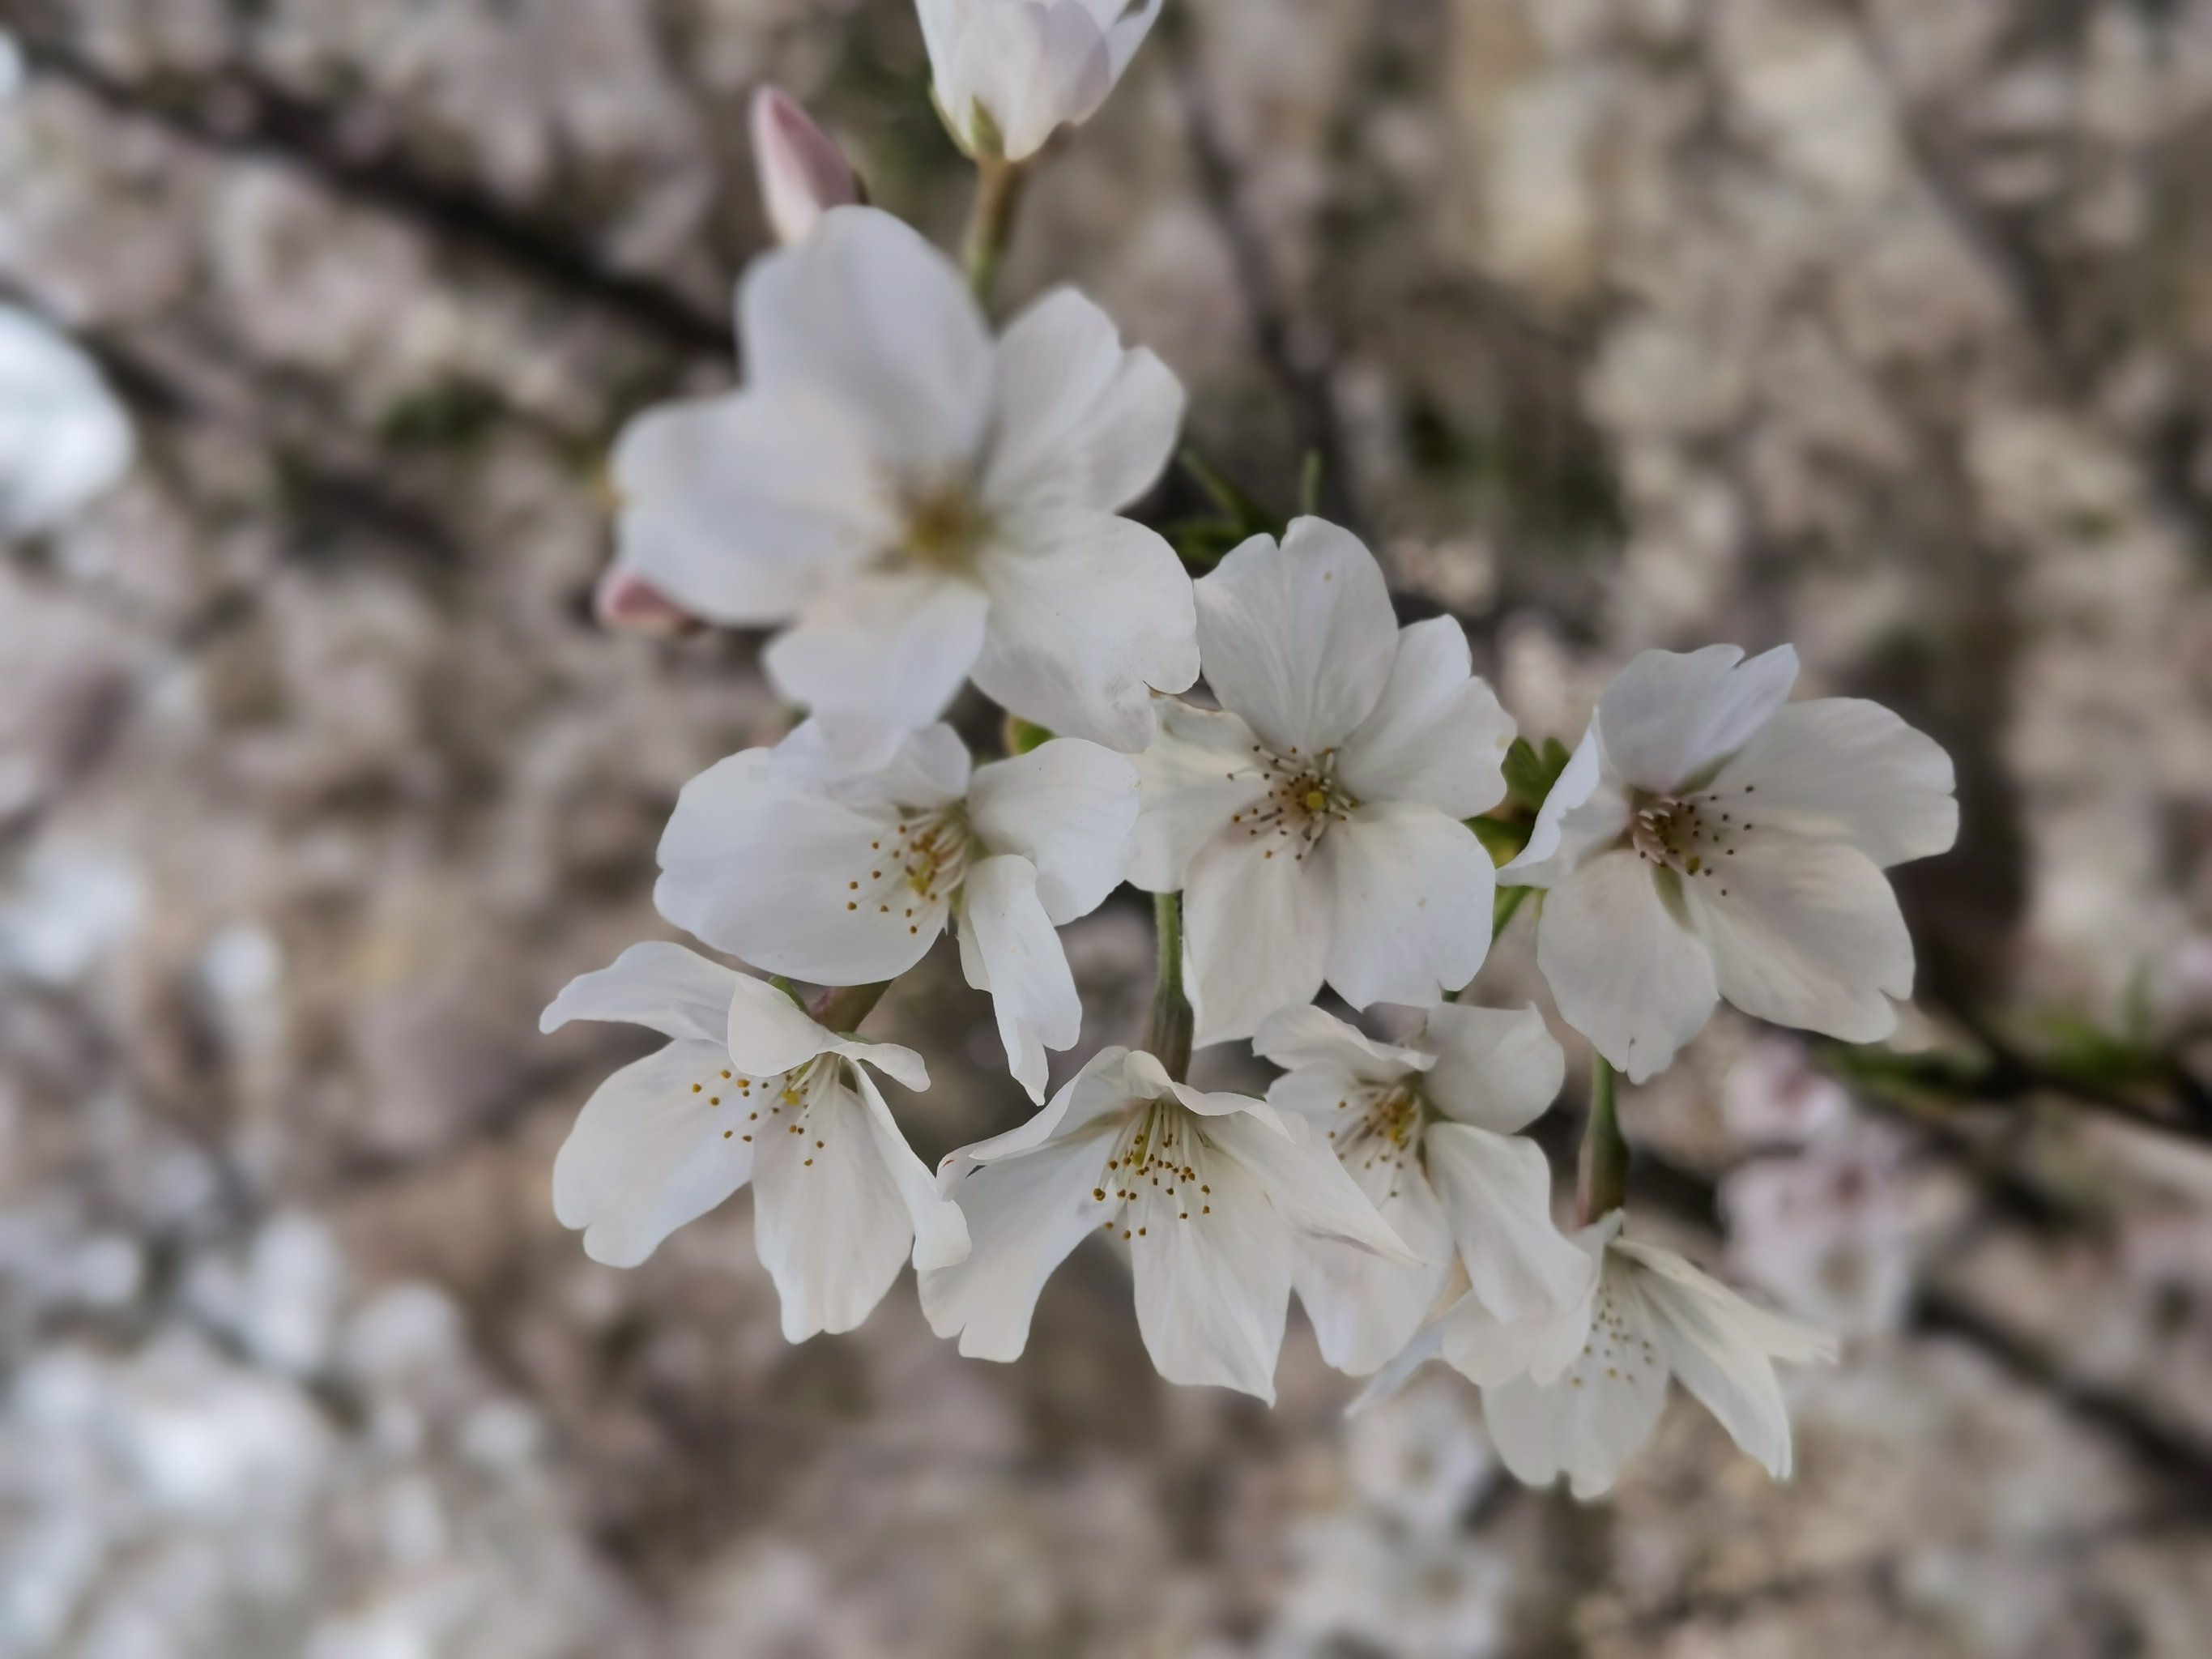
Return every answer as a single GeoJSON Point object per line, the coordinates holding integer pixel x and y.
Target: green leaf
{"type": "Point", "coordinates": [1530, 773]}
{"type": "Point", "coordinates": [1022, 735]}
{"type": "Point", "coordinates": [1501, 839]}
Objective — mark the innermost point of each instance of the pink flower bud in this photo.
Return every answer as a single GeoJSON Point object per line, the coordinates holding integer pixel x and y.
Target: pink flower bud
{"type": "Point", "coordinates": [625, 603]}
{"type": "Point", "coordinates": [803, 173]}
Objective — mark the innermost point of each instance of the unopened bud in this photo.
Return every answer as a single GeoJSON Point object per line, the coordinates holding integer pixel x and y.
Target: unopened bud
{"type": "Point", "coordinates": [803, 173]}
{"type": "Point", "coordinates": [625, 603]}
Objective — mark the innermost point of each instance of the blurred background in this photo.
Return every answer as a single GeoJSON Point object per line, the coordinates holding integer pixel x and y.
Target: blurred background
{"type": "Point", "coordinates": [1880, 326]}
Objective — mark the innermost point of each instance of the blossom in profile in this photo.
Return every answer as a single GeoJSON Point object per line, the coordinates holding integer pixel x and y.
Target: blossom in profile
{"type": "Point", "coordinates": [1314, 822]}
{"type": "Point", "coordinates": [802, 173]}
{"type": "Point", "coordinates": [919, 501]}
{"type": "Point", "coordinates": [64, 438]}
{"type": "Point", "coordinates": [1711, 839]}
{"type": "Point", "coordinates": [1209, 1191]}
{"type": "Point", "coordinates": [749, 1089]}
{"type": "Point", "coordinates": [782, 858]}
{"type": "Point", "coordinates": [1008, 73]}
{"type": "Point", "coordinates": [1429, 1131]}
{"type": "Point", "coordinates": [1577, 1392]}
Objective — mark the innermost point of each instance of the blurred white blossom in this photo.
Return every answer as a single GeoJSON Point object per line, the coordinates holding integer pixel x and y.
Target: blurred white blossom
{"type": "Point", "coordinates": [1009, 73]}
{"type": "Point", "coordinates": [64, 438]}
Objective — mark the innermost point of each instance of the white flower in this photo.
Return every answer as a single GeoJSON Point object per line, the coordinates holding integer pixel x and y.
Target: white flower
{"type": "Point", "coordinates": [749, 1089]}
{"type": "Point", "coordinates": [1578, 1392]}
{"type": "Point", "coordinates": [1009, 73]}
{"type": "Point", "coordinates": [1707, 840]}
{"type": "Point", "coordinates": [63, 438]}
{"type": "Point", "coordinates": [1428, 1131]}
{"type": "Point", "coordinates": [803, 173]}
{"type": "Point", "coordinates": [1208, 1190]}
{"type": "Point", "coordinates": [779, 857]}
{"type": "Point", "coordinates": [1314, 820]}
{"type": "Point", "coordinates": [922, 501]}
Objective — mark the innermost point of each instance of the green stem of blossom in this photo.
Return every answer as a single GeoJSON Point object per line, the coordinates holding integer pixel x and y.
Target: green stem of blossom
{"type": "Point", "coordinates": [991, 222]}
{"type": "Point", "coordinates": [1601, 1185]}
{"type": "Point", "coordinates": [843, 1010]}
{"type": "Point", "coordinates": [1171, 1015]}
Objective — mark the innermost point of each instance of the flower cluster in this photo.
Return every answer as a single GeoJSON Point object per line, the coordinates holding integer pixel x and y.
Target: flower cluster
{"type": "Point", "coordinates": [917, 505]}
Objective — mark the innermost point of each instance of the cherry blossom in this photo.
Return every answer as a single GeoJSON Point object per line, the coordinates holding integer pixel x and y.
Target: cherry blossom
{"type": "Point", "coordinates": [1009, 73]}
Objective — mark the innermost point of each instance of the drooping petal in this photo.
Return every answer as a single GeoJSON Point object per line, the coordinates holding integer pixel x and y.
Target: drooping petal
{"type": "Point", "coordinates": [1080, 422]}
{"type": "Point", "coordinates": [1498, 1068]}
{"type": "Point", "coordinates": [657, 1144]}
{"type": "Point", "coordinates": [768, 1033]}
{"type": "Point", "coordinates": [1089, 614]}
{"type": "Point", "coordinates": [1298, 639]}
{"type": "Point", "coordinates": [890, 648]}
{"type": "Point", "coordinates": [1024, 1214]}
{"type": "Point", "coordinates": [741, 507]}
{"type": "Point", "coordinates": [1305, 1181]}
{"type": "Point", "coordinates": [758, 860]}
{"type": "Point", "coordinates": [1070, 808]}
{"type": "Point", "coordinates": [1496, 1196]}
{"type": "Point", "coordinates": [1310, 1039]}
{"type": "Point", "coordinates": [1669, 718]}
{"type": "Point", "coordinates": [1805, 933]}
{"type": "Point", "coordinates": [1256, 930]}
{"type": "Point", "coordinates": [940, 1231]}
{"type": "Point", "coordinates": [1599, 1412]}
{"type": "Point", "coordinates": [1412, 892]}
{"type": "Point", "coordinates": [865, 313]}
{"type": "Point", "coordinates": [1094, 1095]}
{"type": "Point", "coordinates": [1625, 970]}
{"type": "Point", "coordinates": [1722, 1349]}
{"type": "Point", "coordinates": [1437, 734]}
{"type": "Point", "coordinates": [660, 986]}
{"type": "Point", "coordinates": [1213, 1290]}
{"type": "Point", "coordinates": [1585, 813]}
{"type": "Point", "coordinates": [829, 1219]}
{"type": "Point", "coordinates": [1365, 1309]}
{"type": "Point", "coordinates": [1022, 967]}
{"type": "Point", "coordinates": [1840, 767]}
{"type": "Point", "coordinates": [1197, 776]}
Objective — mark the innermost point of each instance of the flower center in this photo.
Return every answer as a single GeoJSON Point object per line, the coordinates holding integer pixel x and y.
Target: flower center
{"type": "Point", "coordinates": [1693, 835]}
{"type": "Point", "coordinates": [921, 861]}
{"type": "Point", "coordinates": [724, 1091]}
{"type": "Point", "coordinates": [1387, 1131]}
{"type": "Point", "coordinates": [945, 528]}
{"type": "Point", "coordinates": [1303, 799]}
{"type": "Point", "coordinates": [1156, 1172]}
{"type": "Point", "coordinates": [793, 1105]}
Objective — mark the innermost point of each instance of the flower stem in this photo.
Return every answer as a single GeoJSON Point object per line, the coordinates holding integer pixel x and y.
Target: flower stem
{"type": "Point", "coordinates": [1602, 1176]}
{"type": "Point", "coordinates": [844, 1008]}
{"type": "Point", "coordinates": [991, 222]}
{"type": "Point", "coordinates": [1171, 1016]}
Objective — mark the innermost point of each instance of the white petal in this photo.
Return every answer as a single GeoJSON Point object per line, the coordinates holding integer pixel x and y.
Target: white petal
{"type": "Point", "coordinates": [1436, 735]}
{"type": "Point", "coordinates": [1256, 930]}
{"type": "Point", "coordinates": [1308, 1187]}
{"type": "Point", "coordinates": [1079, 420]}
{"type": "Point", "coordinates": [1196, 778]}
{"type": "Point", "coordinates": [865, 311]}
{"type": "Point", "coordinates": [1723, 1348]}
{"type": "Point", "coordinates": [768, 1033]}
{"type": "Point", "coordinates": [1669, 718]}
{"type": "Point", "coordinates": [649, 1152]}
{"type": "Point", "coordinates": [740, 507]}
{"type": "Point", "coordinates": [1024, 1214]}
{"type": "Point", "coordinates": [1033, 67]}
{"type": "Point", "coordinates": [1212, 1291]}
{"type": "Point", "coordinates": [1310, 1039]}
{"type": "Point", "coordinates": [1070, 808]}
{"type": "Point", "coordinates": [760, 862]}
{"type": "Point", "coordinates": [1365, 1309]}
{"type": "Point", "coordinates": [1624, 971]}
{"type": "Point", "coordinates": [1840, 767]}
{"type": "Point", "coordinates": [1599, 1412]}
{"type": "Point", "coordinates": [1298, 639]}
{"type": "Point", "coordinates": [1024, 968]}
{"type": "Point", "coordinates": [1497, 1194]}
{"type": "Point", "coordinates": [928, 770]}
{"type": "Point", "coordinates": [1498, 1068]}
{"type": "Point", "coordinates": [1412, 905]}
{"type": "Point", "coordinates": [1099, 1091]}
{"type": "Point", "coordinates": [832, 1231]}
{"type": "Point", "coordinates": [940, 1231]}
{"type": "Point", "coordinates": [663, 986]}
{"type": "Point", "coordinates": [888, 648]}
{"type": "Point", "coordinates": [1127, 32]}
{"type": "Point", "coordinates": [1805, 933]}
{"type": "Point", "coordinates": [1585, 813]}
{"type": "Point", "coordinates": [64, 437]}
{"type": "Point", "coordinates": [1088, 613]}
